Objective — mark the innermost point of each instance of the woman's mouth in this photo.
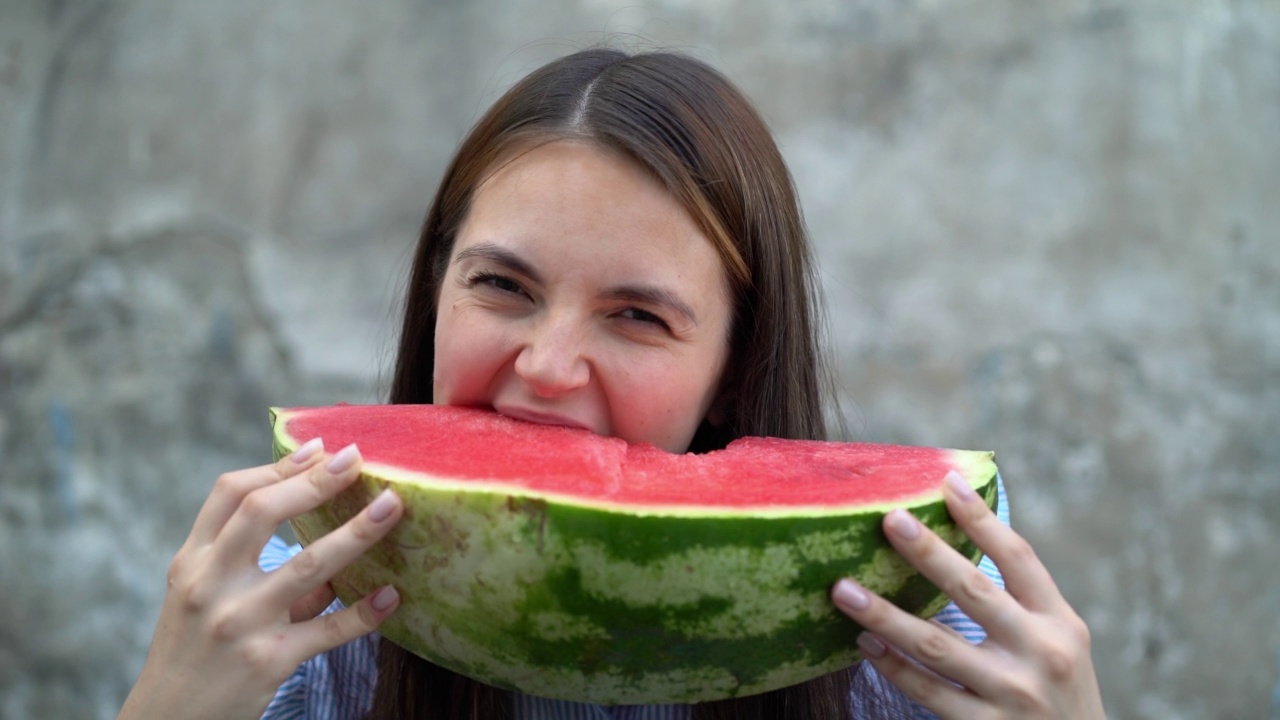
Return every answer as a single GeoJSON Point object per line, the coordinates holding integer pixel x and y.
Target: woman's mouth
{"type": "Point", "coordinates": [541, 418]}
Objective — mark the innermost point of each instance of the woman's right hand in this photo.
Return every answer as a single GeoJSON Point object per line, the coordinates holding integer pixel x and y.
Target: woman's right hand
{"type": "Point", "coordinates": [229, 634]}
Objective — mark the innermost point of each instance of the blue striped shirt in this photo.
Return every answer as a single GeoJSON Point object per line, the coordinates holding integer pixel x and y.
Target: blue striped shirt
{"type": "Point", "coordinates": [339, 684]}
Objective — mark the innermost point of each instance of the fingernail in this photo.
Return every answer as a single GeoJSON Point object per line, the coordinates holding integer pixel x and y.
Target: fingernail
{"type": "Point", "coordinates": [961, 487]}
{"type": "Point", "coordinates": [308, 449]}
{"type": "Point", "coordinates": [871, 645]}
{"type": "Point", "coordinates": [345, 458]}
{"type": "Point", "coordinates": [382, 506]}
{"type": "Point", "coordinates": [904, 524]}
{"type": "Point", "coordinates": [385, 599]}
{"type": "Point", "coordinates": [849, 594]}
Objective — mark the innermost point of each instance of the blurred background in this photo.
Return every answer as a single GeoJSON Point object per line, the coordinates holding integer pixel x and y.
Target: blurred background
{"type": "Point", "coordinates": [1049, 229]}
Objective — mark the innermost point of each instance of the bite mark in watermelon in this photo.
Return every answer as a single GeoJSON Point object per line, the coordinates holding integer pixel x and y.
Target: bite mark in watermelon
{"type": "Point", "coordinates": [569, 565]}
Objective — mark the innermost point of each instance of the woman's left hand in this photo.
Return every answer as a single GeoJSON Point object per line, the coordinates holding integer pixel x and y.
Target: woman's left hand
{"type": "Point", "coordinates": [1035, 662]}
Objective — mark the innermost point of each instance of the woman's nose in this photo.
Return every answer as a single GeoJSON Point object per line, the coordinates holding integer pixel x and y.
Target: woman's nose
{"type": "Point", "coordinates": [552, 360]}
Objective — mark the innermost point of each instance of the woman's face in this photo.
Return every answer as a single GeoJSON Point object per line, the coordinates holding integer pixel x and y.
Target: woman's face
{"type": "Point", "coordinates": [580, 293]}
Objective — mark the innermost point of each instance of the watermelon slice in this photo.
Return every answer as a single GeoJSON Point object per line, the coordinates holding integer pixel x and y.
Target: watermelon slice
{"type": "Point", "coordinates": [570, 565]}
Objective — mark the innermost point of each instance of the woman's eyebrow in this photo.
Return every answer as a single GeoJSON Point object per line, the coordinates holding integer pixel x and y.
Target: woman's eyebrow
{"type": "Point", "coordinates": [650, 295]}
{"type": "Point", "coordinates": [501, 256]}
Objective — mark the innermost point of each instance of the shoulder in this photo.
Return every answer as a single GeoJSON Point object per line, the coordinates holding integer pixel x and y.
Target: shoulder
{"type": "Point", "coordinates": [876, 697]}
{"type": "Point", "coordinates": [276, 553]}
{"type": "Point", "coordinates": [532, 707]}
{"type": "Point", "coordinates": [1002, 500]}
{"type": "Point", "coordinates": [953, 616]}
{"type": "Point", "coordinates": [330, 686]}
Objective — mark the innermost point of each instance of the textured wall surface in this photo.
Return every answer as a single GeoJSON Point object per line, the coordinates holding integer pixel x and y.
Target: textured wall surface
{"type": "Point", "coordinates": [1050, 229]}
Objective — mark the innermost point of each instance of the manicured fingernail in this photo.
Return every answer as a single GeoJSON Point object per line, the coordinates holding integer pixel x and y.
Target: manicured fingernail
{"type": "Point", "coordinates": [871, 645]}
{"type": "Point", "coordinates": [385, 599]}
{"type": "Point", "coordinates": [382, 506]}
{"type": "Point", "coordinates": [308, 449]}
{"type": "Point", "coordinates": [848, 594]}
{"type": "Point", "coordinates": [345, 458]}
{"type": "Point", "coordinates": [904, 524]}
{"type": "Point", "coordinates": [961, 487]}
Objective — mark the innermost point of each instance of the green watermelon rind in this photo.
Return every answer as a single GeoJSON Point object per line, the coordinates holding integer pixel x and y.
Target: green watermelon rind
{"type": "Point", "coordinates": [600, 605]}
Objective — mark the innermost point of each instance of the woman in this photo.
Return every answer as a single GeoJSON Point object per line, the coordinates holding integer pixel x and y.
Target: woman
{"type": "Point", "coordinates": [616, 246]}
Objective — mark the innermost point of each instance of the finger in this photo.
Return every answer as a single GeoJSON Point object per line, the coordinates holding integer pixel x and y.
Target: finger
{"type": "Point", "coordinates": [958, 578]}
{"type": "Point", "coordinates": [326, 632]}
{"type": "Point", "coordinates": [312, 604]}
{"type": "Point", "coordinates": [262, 511]}
{"type": "Point", "coordinates": [1025, 578]}
{"type": "Point", "coordinates": [926, 688]}
{"type": "Point", "coordinates": [946, 653]}
{"type": "Point", "coordinates": [231, 488]}
{"type": "Point", "coordinates": [324, 558]}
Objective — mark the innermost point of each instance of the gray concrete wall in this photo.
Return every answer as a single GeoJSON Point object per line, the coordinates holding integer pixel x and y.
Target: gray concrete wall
{"type": "Point", "coordinates": [1048, 229]}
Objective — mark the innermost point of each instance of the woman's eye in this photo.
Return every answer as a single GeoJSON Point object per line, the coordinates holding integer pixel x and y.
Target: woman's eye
{"type": "Point", "coordinates": [643, 316]}
{"type": "Point", "coordinates": [497, 282]}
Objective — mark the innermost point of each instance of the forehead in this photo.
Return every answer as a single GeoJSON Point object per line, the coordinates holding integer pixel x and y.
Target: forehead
{"type": "Point", "coordinates": [579, 178]}
{"type": "Point", "coordinates": [575, 200]}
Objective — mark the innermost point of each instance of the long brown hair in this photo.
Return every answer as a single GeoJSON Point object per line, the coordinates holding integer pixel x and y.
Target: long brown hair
{"type": "Point", "coordinates": [698, 135]}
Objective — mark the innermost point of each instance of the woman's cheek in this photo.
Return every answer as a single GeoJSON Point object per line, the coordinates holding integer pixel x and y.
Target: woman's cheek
{"type": "Point", "coordinates": [659, 403]}
{"type": "Point", "coordinates": [469, 353]}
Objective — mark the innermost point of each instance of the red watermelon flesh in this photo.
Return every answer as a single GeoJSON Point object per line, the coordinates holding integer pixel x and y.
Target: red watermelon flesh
{"type": "Point", "coordinates": [753, 474]}
{"type": "Point", "coordinates": [564, 564]}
